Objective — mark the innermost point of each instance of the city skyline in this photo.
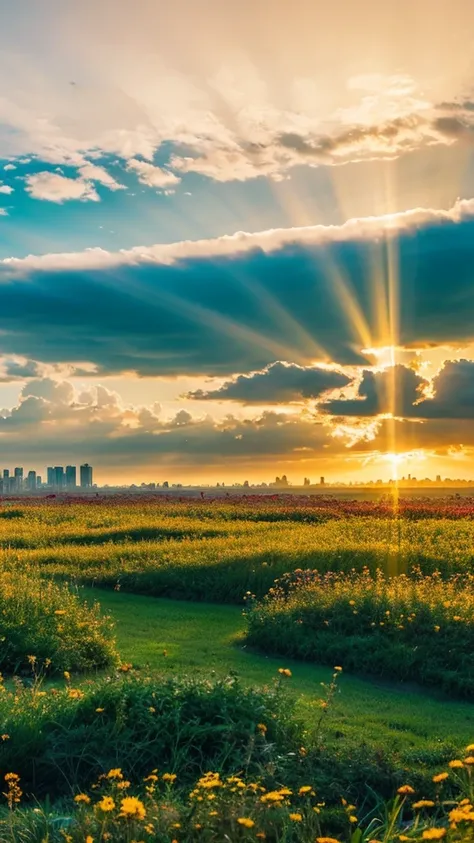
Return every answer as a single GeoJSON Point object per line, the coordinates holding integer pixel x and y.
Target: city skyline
{"type": "Point", "coordinates": [55, 477]}
{"type": "Point", "coordinates": [217, 263]}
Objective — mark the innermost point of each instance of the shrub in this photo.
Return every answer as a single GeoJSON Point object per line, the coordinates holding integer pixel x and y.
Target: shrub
{"type": "Point", "coordinates": [44, 626]}
{"type": "Point", "coordinates": [64, 739]}
{"type": "Point", "coordinates": [419, 628]}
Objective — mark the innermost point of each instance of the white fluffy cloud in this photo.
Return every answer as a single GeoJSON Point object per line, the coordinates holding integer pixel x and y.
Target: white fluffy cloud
{"type": "Point", "coordinates": [92, 172]}
{"type": "Point", "coordinates": [5, 188]}
{"type": "Point", "coordinates": [233, 110]}
{"type": "Point", "coordinates": [54, 187]}
{"type": "Point", "coordinates": [363, 228]}
{"type": "Point", "coordinates": [152, 176]}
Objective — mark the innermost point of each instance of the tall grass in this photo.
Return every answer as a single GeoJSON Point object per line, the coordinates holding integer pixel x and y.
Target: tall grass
{"type": "Point", "coordinates": [419, 628]}
{"type": "Point", "coordinates": [45, 626]}
{"type": "Point", "coordinates": [189, 558]}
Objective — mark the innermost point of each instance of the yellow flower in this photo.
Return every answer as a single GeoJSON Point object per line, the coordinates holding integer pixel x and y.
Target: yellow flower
{"type": "Point", "coordinates": [169, 777]}
{"type": "Point", "coordinates": [326, 840]}
{"type": "Point", "coordinates": [338, 668]}
{"type": "Point", "coordinates": [106, 804]}
{"type": "Point", "coordinates": [353, 819]}
{"type": "Point", "coordinates": [261, 727]}
{"type": "Point", "coordinates": [304, 789]}
{"type": "Point", "coordinates": [89, 839]}
{"type": "Point", "coordinates": [115, 773]}
{"type": "Point", "coordinates": [434, 833]}
{"type": "Point", "coordinates": [133, 808]}
{"type": "Point", "coordinates": [60, 612]}
{"type": "Point", "coordinates": [75, 694]}
{"type": "Point", "coordinates": [272, 796]}
{"type": "Point", "coordinates": [297, 818]}
{"type": "Point", "coordinates": [405, 789]}
{"type": "Point", "coordinates": [67, 675]}
{"type": "Point", "coordinates": [440, 777]}
{"type": "Point", "coordinates": [5, 737]}
{"type": "Point", "coordinates": [284, 671]}
{"type": "Point", "coordinates": [455, 763]}
{"type": "Point", "coordinates": [246, 822]}
{"type": "Point", "coordinates": [99, 710]}
{"type": "Point", "coordinates": [470, 748]}
{"type": "Point", "coordinates": [469, 760]}
{"type": "Point", "coordinates": [423, 803]}
{"type": "Point", "coordinates": [82, 797]}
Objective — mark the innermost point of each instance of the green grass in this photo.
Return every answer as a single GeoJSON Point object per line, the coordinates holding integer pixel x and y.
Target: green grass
{"type": "Point", "coordinates": [205, 640]}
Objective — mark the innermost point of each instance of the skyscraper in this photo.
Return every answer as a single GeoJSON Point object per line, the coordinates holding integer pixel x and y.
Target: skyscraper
{"type": "Point", "coordinates": [70, 476]}
{"type": "Point", "coordinates": [18, 479]}
{"type": "Point", "coordinates": [31, 481]}
{"type": "Point", "coordinates": [6, 473]}
{"type": "Point", "coordinates": [86, 476]}
{"type": "Point", "coordinates": [58, 477]}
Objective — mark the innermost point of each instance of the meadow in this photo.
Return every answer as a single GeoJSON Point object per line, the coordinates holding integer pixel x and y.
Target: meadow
{"type": "Point", "coordinates": [169, 669]}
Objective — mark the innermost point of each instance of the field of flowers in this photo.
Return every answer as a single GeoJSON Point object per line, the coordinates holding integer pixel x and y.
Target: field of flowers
{"type": "Point", "coordinates": [218, 550]}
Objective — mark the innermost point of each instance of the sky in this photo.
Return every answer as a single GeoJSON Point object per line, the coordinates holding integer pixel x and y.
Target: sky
{"type": "Point", "coordinates": [237, 239]}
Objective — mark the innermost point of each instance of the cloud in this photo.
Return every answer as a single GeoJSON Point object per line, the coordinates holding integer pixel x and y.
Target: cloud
{"type": "Point", "coordinates": [67, 424]}
{"type": "Point", "coordinates": [150, 175]}
{"type": "Point", "coordinates": [221, 104]}
{"type": "Point", "coordinates": [92, 172]}
{"type": "Point", "coordinates": [226, 306]}
{"type": "Point", "coordinates": [453, 390]}
{"type": "Point", "coordinates": [5, 188]}
{"type": "Point", "coordinates": [9, 167]}
{"type": "Point", "coordinates": [278, 383]}
{"type": "Point", "coordinates": [53, 187]}
{"type": "Point", "coordinates": [394, 390]}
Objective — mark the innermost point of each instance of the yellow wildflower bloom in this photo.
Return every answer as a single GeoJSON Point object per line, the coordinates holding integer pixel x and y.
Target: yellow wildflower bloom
{"type": "Point", "coordinates": [434, 833]}
{"type": "Point", "coordinates": [405, 789]}
{"type": "Point", "coordinates": [455, 763]}
{"type": "Point", "coordinates": [246, 822]}
{"type": "Point", "coordinates": [296, 818]}
{"type": "Point", "coordinates": [106, 804]}
{"type": "Point", "coordinates": [423, 803]}
{"type": "Point", "coordinates": [82, 797]}
{"type": "Point", "coordinates": [132, 808]}
{"type": "Point", "coordinates": [440, 777]}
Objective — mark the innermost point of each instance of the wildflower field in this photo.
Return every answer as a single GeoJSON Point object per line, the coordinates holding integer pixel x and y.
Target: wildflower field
{"type": "Point", "coordinates": [136, 718]}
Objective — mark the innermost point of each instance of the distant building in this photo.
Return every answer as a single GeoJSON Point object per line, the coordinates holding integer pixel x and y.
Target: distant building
{"type": "Point", "coordinates": [322, 481]}
{"type": "Point", "coordinates": [86, 476]}
{"type": "Point", "coordinates": [18, 479]}
{"type": "Point", "coordinates": [6, 473]}
{"type": "Point", "coordinates": [31, 481]}
{"type": "Point", "coordinates": [70, 476]}
{"type": "Point", "coordinates": [59, 477]}
{"type": "Point", "coordinates": [50, 476]}
{"type": "Point", "coordinates": [39, 481]}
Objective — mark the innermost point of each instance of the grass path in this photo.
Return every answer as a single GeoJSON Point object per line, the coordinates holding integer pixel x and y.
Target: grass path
{"type": "Point", "coordinates": [206, 640]}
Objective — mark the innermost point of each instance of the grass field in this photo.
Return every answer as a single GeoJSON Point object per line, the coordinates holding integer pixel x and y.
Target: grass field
{"type": "Point", "coordinates": [205, 640]}
{"type": "Point", "coordinates": [174, 578]}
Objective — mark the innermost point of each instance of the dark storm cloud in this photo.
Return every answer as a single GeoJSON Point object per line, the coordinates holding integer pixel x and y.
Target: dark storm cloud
{"type": "Point", "coordinates": [278, 383]}
{"type": "Point", "coordinates": [392, 390]}
{"type": "Point", "coordinates": [454, 392]}
{"type": "Point", "coordinates": [241, 311]}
